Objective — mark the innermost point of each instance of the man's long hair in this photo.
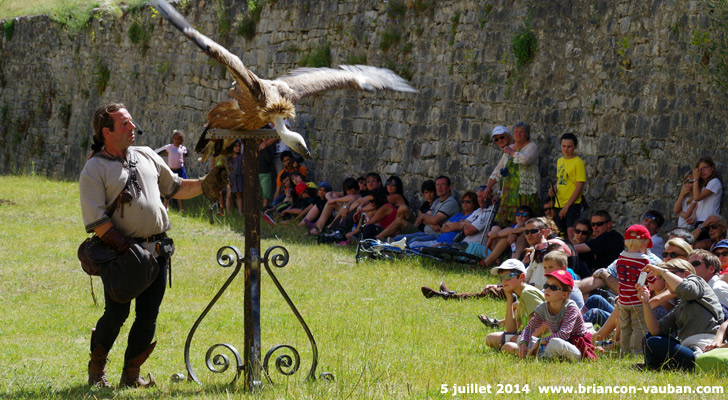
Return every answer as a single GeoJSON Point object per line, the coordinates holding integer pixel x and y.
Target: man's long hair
{"type": "Point", "coordinates": [102, 119]}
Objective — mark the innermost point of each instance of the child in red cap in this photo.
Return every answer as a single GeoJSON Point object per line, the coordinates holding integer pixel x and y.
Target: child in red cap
{"type": "Point", "coordinates": [570, 337]}
{"type": "Point", "coordinates": [632, 323]}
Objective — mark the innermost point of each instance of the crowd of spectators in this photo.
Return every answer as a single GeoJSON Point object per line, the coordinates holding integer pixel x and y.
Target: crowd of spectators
{"type": "Point", "coordinates": [588, 270]}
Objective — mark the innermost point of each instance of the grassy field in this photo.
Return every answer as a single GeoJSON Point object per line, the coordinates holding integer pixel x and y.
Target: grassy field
{"type": "Point", "coordinates": [15, 8]}
{"type": "Point", "coordinates": [375, 332]}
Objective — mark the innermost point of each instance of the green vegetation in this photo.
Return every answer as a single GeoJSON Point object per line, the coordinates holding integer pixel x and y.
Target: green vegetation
{"type": "Point", "coordinates": [102, 74]}
{"type": "Point", "coordinates": [318, 57]}
{"type": "Point", "coordinates": [625, 63]}
{"type": "Point", "coordinates": [425, 6]}
{"type": "Point", "coordinates": [454, 22]}
{"type": "Point", "coordinates": [359, 58]}
{"type": "Point", "coordinates": [16, 8]}
{"type": "Point", "coordinates": [140, 34]}
{"type": "Point", "coordinates": [8, 29]}
{"type": "Point", "coordinates": [711, 44]}
{"type": "Point", "coordinates": [73, 16]}
{"type": "Point", "coordinates": [223, 20]}
{"type": "Point", "coordinates": [375, 332]}
{"type": "Point", "coordinates": [250, 19]}
{"type": "Point", "coordinates": [390, 37]}
{"type": "Point", "coordinates": [396, 9]}
{"type": "Point", "coordinates": [524, 44]}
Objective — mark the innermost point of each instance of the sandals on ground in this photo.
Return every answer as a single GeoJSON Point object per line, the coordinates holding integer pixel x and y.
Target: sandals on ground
{"type": "Point", "coordinates": [489, 322]}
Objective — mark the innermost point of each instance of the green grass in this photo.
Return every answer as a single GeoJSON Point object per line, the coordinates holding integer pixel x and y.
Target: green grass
{"type": "Point", "coordinates": [62, 9]}
{"type": "Point", "coordinates": [375, 332]}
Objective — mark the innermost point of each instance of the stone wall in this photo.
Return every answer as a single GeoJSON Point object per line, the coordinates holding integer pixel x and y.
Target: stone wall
{"type": "Point", "coordinates": [620, 74]}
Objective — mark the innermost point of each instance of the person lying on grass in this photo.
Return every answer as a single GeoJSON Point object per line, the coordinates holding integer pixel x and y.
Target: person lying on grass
{"type": "Point", "coordinates": [570, 337]}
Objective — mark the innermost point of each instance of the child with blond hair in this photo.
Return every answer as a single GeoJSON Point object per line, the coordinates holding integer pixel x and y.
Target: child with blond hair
{"type": "Point", "coordinates": [632, 323]}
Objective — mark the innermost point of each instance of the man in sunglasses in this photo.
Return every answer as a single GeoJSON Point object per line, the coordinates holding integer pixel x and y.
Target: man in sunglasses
{"type": "Point", "coordinates": [707, 266]}
{"type": "Point", "coordinates": [604, 245]}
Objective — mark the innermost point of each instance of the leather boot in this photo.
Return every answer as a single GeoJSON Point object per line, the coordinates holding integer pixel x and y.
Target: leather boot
{"type": "Point", "coordinates": [97, 368]}
{"type": "Point", "coordinates": [130, 374]}
{"type": "Point", "coordinates": [429, 293]}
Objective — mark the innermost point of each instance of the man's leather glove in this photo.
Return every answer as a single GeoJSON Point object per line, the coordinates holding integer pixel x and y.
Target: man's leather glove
{"type": "Point", "coordinates": [213, 182]}
{"type": "Point", "coordinates": [116, 240]}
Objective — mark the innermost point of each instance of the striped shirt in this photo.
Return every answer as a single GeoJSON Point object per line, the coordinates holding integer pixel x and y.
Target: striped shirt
{"type": "Point", "coordinates": [567, 323]}
{"type": "Point", "coordinates": [629, 266]}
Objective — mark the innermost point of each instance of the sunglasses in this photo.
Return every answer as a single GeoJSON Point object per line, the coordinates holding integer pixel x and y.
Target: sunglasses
{"type": "Point", "coordinates": [650, 216]}
{"type": "Point", "coordinates": [521, 214]}
{"type": "Point", "coordinates": [714, 226]}
{"type": "Point", "coordinates": [721, 253]}
{"type": "Point", "coordinates": [672, 254]}
{"type": "Point", "coordinates": [599, 223]}
{"type": "Point", "coordinates": [509, 275]}
{"type": "Point", "coordinates": [689, 181]}
{"type": "Point", "coordinates": [696, 263]}
{"type": "Point", "coordinates": [531, 231]}
{"type": "Point", "coordinates": [498, 138]}
{"type": "Point", "coordinates": [467, 202]}
{"type": "Point", "coordinates": [580, 232]}
{"type": "Point", "coordinates": [552, 287]}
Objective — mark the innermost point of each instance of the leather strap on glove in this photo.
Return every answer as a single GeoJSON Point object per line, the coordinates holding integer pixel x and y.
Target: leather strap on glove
{"type": "Point", "coordinates": [213, 182]}
{"type": "Point", "coordinates": [116, 240]}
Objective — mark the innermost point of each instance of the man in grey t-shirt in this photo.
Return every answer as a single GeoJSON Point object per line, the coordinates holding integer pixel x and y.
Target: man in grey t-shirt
{"type": "Point", "coordinates": [444, 207]}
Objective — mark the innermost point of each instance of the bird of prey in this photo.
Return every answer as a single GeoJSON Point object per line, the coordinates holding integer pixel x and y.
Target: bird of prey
{"type": "Point", "coordinates": [256, 102]}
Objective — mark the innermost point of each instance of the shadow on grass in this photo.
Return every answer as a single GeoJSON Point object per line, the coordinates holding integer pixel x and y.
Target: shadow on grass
{"type": "Point", "coordinates": [83, 391]}
{"type": "Point", "coordinates": [293, 234]}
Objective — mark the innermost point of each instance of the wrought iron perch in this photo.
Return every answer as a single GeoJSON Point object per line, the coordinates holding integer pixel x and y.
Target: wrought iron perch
{"type": "Point", "coordinates": [250, 364]}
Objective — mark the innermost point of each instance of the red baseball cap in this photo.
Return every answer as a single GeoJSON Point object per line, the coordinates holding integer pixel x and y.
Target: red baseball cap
{"type": "Point", "coordinates": [563, 277]}
{"type": "Point", "coordinates": [301, 187]}
{"type": "Point", "coordinates": [638, 232]}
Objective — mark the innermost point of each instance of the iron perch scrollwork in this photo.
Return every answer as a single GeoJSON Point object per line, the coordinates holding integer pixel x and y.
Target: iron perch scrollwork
{"type": "Point", "coordinates": [278, 257]}
{"type": "Point", "coordinates": [227, 256]}
{"type": "Point", "coordinates": [289, 361]}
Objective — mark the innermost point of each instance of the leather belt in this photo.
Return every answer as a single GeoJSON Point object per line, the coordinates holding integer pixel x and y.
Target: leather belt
{"type": "Point", "coordinates": [153, 238]}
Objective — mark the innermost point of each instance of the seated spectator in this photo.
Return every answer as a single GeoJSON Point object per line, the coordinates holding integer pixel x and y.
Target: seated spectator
{"type": "Point", "coordinates": [312, 215]}
{"type": "Point", "coordinates": [548, 209]}
{"type": "Point", "coordinates": [379, 215]}
{"type": "Point", "coordinates": [444, 207]}
{"type": "Point", "coordinates": [707, 266]}
{"type": "Point", "coordinates": [570, 338]}
{"type": "Point", "coordinates": [683, 234]}
{"type": "Point", "coordinates": [404, 225]}
{"type": "Point", "coordinates": [707, 192]}
{"type": "Point", "coordinates": [395, 196]}
{"type": "Point", "coordinates": [287, 160]}
{"type": "Point", "coordinates": [605, 244]}
{"type": "Point", "coordinates": [653, 221]}
{"type": "Point", "coordinates": [582, 233]}
{"type": "Point", "coordinates": [304, 198]}
{"type": "Point", "coordinates": [695, 319]}
{"type": "Point", "coordinates": [710, 232]}
{"type": "Point", "coordinates": [449, 229]}
{"type": "Point", "coordinates": [536, 232]}
{"type": "Point", "coordinates": [684, 206]}
{"type": "Point", "coordinates": [512, 274]}
{"type": "Point", "coordinates": [511, 238]}
{"type": "Point", "coordinates": [336, 201]}
{"type": "Point", "coordinates": [721, 251]}
{"type": "Point", "coordinates": [556, 260]}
